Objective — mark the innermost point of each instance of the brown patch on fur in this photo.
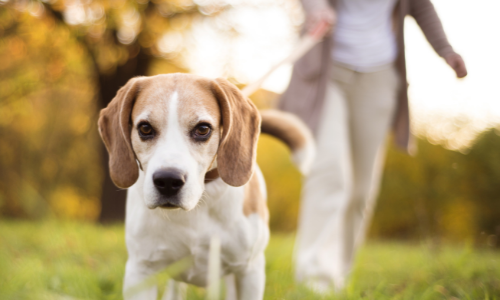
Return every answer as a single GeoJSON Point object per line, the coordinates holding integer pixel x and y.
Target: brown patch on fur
{"type": "Point", "coordinates": [241, 128]}
{"type": "Point", "coordinates": [285, 127]}
{"type": "Point", "coordinates": [211, 175]}
{"type": "Point", "coordinates": [115, 132]}
{"type": "Point", "coordinates": [199, 94]}
{"type": "Point", "coordinates": [236, 154]}
{"type": "Point", "coordinates": [194, 99]}
{"type": "Point", "coordinates": [254, 201]}
{"type": "Point", "coordinates": [151, 97]}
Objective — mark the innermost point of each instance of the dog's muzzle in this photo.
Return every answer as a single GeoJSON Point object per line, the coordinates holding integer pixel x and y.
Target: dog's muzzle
{"type": "Point", "coordinates": [169, 182]}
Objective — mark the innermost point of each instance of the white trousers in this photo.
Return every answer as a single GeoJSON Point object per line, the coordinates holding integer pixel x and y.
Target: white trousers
{"type": "Point", "coordinates": [340, 192]}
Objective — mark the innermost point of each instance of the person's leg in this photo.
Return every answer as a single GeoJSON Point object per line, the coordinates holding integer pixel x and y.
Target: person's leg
{"type": "Point", "coordinates": [326, 189]}
{"type": "Point", "coordinates": [372, 101]}
{"type": "Point", "coordinates": [343, 184]}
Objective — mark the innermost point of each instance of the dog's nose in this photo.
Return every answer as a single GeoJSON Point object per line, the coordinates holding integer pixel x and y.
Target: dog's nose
{"type": "Point", "coordinates": [169, 182]}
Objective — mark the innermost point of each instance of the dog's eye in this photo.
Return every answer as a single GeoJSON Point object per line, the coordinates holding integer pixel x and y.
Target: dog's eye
{"type": "Point", "coordinates": [202, 132]}
{"type": "Point", "coordinates": [145, 130]}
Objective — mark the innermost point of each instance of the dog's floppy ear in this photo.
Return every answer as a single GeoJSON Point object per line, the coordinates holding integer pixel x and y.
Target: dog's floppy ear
{"type": "Point", "coordinates": [115, 131]}
{"type": "Point", "coordinates": [241, 128]}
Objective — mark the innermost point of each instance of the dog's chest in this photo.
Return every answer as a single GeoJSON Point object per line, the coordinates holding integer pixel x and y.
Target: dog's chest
{"type": "Point", "coordinates": [239, 246]}
{"type": "Point", "coordinates": [165, 239]}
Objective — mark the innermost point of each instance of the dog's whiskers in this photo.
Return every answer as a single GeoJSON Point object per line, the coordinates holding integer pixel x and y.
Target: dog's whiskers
{"type": "Point", "coordinates": [165, 213]}
{"type": "Point", "coordinates": [202, 199]}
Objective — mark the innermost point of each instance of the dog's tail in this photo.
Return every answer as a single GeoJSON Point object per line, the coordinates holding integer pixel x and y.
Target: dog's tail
{"type": "Point", "coordinates": [293, 132]}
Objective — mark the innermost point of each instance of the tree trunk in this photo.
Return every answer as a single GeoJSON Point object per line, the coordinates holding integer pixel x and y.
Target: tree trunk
{"type": "Point", "coordinates": [112, 198]}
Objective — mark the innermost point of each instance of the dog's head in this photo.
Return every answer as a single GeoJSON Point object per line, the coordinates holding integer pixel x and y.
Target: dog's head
{"type": "Point", "coordinates": [176, 128]}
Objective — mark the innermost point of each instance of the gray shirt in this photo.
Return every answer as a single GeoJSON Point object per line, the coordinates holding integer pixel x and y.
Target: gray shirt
{"type": "Point", "coordinates": [364, 38]}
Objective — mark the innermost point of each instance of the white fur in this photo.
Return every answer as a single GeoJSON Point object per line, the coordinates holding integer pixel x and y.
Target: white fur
{"type": "Point", "coordinates": [157, 238]}
{"type": "Point", "coordinates": [304, 157]}
{"type": "Point", "coordinates": [173, 151]}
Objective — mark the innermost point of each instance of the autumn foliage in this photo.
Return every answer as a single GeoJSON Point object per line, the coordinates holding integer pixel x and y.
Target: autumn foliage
{"type": "Point", "coordinates": [57, 72]}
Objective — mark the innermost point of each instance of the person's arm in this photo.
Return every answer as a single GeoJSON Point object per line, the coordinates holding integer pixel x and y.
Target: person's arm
{"type": "Point", "coordinates": [424, 13]}
{"type": "Point", "coordinates": [318, 11]}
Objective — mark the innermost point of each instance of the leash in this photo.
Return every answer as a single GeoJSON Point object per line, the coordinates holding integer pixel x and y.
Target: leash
{"type": "Point", "coordinates": [305, 44]}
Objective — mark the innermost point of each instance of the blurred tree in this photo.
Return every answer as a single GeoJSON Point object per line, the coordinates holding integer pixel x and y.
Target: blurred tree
{"type": "Point", "coordinates": [121, 39]}
{"type": "Point", "coordinates": [438, 193]}
{"type": "Point", "coordinates": [62, 61]}
{"type": "Point", "coordinates": [47, 128]}
{"type": "Point", "coordinates": [442, 193]}
{"type": "Point", "coordinates": [480, 171]}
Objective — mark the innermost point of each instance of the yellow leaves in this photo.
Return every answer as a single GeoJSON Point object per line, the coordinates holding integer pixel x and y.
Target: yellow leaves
{"type": "Point", "coordinates": [48, 168]}
{"type": "Point", "coordinates": [7, 153]}
{"type": "Point", "coordinates": [106, 59]}
{"type": "Point", "coordinates": [97, 30]}
{"type": "Point", "coordinates": [55, 70]}
{"type": "Point", "coordinates": [16, 48]}
{"type": "Point", "coordinates": [6, 116]}
{"type": "Point", "coordinates": [283, 183]}
{"type": "Point", "coordinates": [80, 123]}
{"type": "Point", "coordinates": [146, 40]}
{"type": "Point", "coordinates": [31, 122]}
{"type": "Point", "coordinates": [458, 220]}
{"type": "Point", "coordinates": [67, 203]}
{"type": "Point", "coordinates": [49, 150]}
{"type": "Point", "coordinates": [180, 23]}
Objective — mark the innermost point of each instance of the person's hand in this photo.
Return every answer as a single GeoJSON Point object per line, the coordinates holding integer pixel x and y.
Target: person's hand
{"type": "Point", "coordinates": [457, 64]}
{"type": "Point", "coordinates": [326, 15]}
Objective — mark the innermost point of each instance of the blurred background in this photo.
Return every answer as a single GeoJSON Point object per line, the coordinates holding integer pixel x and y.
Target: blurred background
{"type": "Point", "coordinates": [61, 61]}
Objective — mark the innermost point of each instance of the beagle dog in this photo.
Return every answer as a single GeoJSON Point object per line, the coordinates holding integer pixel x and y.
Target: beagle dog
{"type": "Point", "coordinates": [185, 148]}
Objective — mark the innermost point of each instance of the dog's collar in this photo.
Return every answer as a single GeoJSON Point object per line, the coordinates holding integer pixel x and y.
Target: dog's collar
{"type": "Point", "coordinates": [211, 175]}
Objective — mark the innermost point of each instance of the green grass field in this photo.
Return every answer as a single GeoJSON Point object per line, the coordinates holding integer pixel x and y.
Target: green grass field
{"type": "Point", "coordinates": [61, 260]}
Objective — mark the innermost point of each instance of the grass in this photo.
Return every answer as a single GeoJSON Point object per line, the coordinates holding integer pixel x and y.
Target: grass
{"type": "Point", "coordinates": [61, 260]}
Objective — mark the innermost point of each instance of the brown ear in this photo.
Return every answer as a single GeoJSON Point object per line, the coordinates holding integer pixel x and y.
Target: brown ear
{"type": "Point", "coordinates": [241, 128]}
{"type": "Point", "coordinates": [115, 131]}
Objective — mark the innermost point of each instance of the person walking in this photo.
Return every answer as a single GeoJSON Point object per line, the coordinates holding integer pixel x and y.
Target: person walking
{"type": "Point", "coordinates": [350, 89]}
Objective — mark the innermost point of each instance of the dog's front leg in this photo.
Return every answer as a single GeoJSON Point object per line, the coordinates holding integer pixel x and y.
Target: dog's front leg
{"type": "Point", "coordinates": [136, 285]}
{"type": "Point", "coordinates": [250, 284]}
{"type": "Point", "coordinates": [175, 290]}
